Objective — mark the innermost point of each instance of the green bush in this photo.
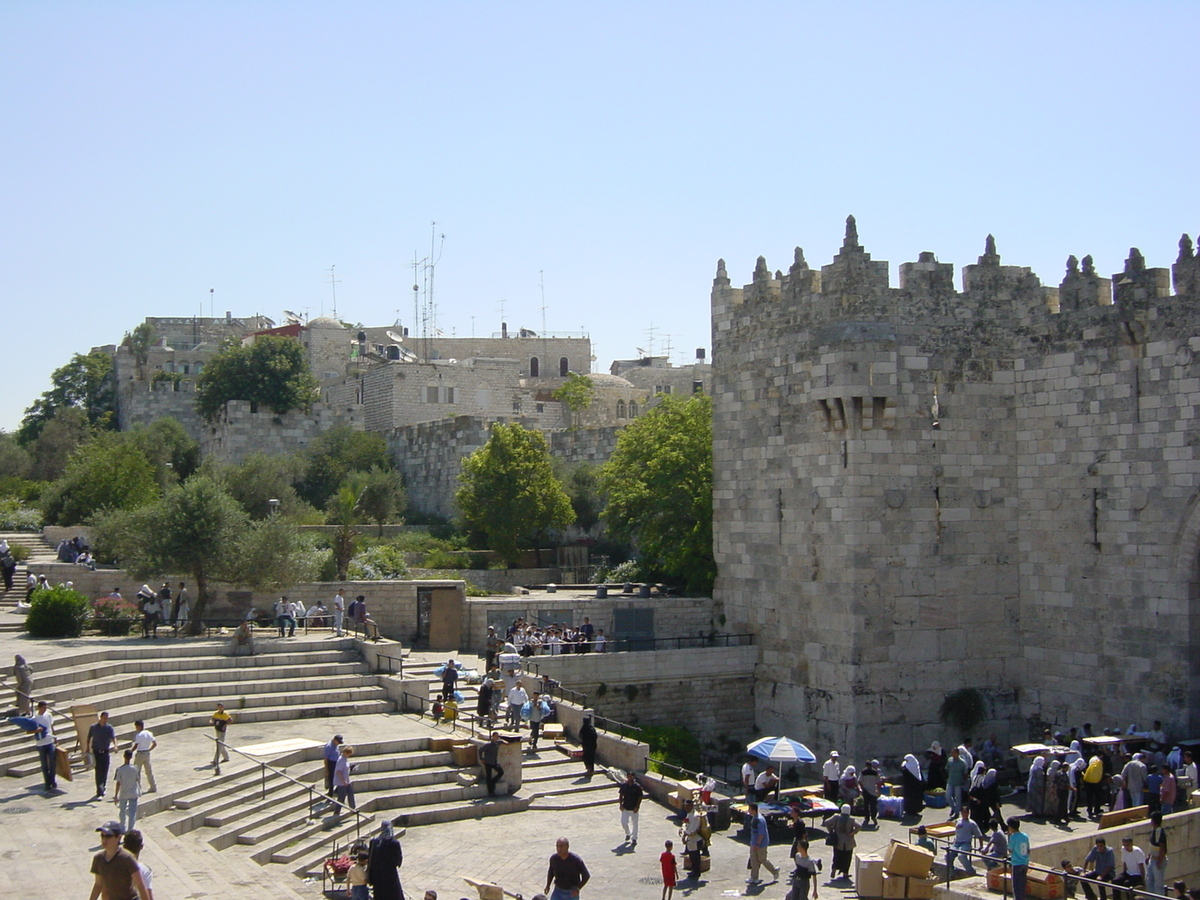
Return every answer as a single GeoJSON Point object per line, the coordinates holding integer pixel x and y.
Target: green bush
{"type": "Point", "coordinates": [19, 552]}
{"type": "Point", "coordinates": [14, 516]}
{"type": "Point", "coordinates": [377, 563]}
{"type": "Point", "coordinates": [445, 559]}
{"type": "Point", "coordinates": [57, 612]}
{"type": "Point", "coordinates": [113, 616]}
{"type": "Point", "coordinates": [21, 489]}
{"type": "Point", "coordinates": [672, 744]}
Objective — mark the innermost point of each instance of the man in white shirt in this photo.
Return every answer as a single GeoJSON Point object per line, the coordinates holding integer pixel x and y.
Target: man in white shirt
{"type": "Point", "coordinates": [1133, 866]}
{"type": "Point", "coordinates": [766, 782]}
{"type": "Point", "coordinates": [517, 698]}
{"type": "Point", "coordinates": [46, 745]}
{"type": "Point", "coordinates": [831, 772]}
{"type": "Point", "coordinates": [339, 612]}
{"type": "Point", "coordinates": [143, 744]}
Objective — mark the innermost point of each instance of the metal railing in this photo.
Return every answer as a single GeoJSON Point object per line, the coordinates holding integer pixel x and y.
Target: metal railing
{"type": "Point", "coordinates": [1110, 888]}
{"type": "Point", "coordinates": [631, 645]}
{"type": "Point", "coordinates": [697, 777]}
{"type": "Point", "coordinates": [313, 793]}
{"type": "Point", "coordinates": [391, 670]}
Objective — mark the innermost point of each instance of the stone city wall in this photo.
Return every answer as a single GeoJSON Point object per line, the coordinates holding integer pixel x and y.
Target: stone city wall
{"type": "Point", "coordinates": [239, 432]}
{"type": "Point", "coordinates": [918, 490]}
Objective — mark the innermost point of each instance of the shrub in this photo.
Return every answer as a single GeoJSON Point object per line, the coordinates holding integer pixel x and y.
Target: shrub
{"type": "Point", "coordinates": [57, 612]}
{"type": "Point", "coordinates": [113, 616]}
{"type": "Point", "coordinates": [380, 562]}
{"type": "Point", "coordinates": [630, 570]}
{"type": "Point", "coordinates": [672, 744]}
{"type": "Point", "coordinates": [19, 552]}
{"type": "Point", "coordinates": [445, 559]}
{"type": "Point", "coordinates": [14, 516]}
{"type": "Point", "coordinates": [964, 709]}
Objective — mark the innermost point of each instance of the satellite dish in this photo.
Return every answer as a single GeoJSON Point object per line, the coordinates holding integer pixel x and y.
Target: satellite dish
{"type": "Point", "coordinates": [395, 337]}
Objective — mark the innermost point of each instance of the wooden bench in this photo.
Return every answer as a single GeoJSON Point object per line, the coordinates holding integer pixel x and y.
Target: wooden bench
{"type": "Point", "coordinates": [1123, 817]}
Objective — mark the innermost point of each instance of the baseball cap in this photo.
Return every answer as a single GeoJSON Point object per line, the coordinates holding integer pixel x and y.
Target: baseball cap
{"type": "Point", "coordinates": [111, 827]}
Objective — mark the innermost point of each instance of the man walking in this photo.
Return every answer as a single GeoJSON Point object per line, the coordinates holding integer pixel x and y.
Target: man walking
{"type": "Point", "coordinates": [956, 778]}
{"type": "Point", "coordinates": [116, 869]}
{"type": "Point", "coordinates": [489, 759]}
{"type": "Point", "coordinates": [339, 611]}
{"type": "Point", "coordinates": [967, 837]}
{"type": "Point", "coordinates": [629, 799]}
{"type": "Point", "coordinates": [492, 646]}
{"type": "Point", "coordinates": [220, 722]}
{"type": "Point", "coordinates": [127, 788]}
{"type": "Point", "coordinates": [101, 738]}
{"type": "Point", "coordinates": [760, 840]}
{"type": "Point", "coordinates": [567, 872]}
{"type": "Point", "coordinates": [143, 745]}
{"type": "Point", "coordinates": [831, 772]}
{"type": "Point", "coordinates": [450, 678]}
{"type": "Point", "coordinates": [46, 745]}
{"type": "Point", "coordinates": [331, 755]}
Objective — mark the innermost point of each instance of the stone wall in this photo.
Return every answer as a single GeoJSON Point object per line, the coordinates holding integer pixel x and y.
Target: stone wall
{"type": "Point", "coordinates": [667, 687]}
{"type": "Point", "coordinates": [918, 490]}
{"type": "Point", "coordinates": [239, 432]}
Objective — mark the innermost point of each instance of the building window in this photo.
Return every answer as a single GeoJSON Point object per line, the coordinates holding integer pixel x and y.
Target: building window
{"type": "Point", "coordinates": [449, 395]}
{"type": "Point", "coordinates": [632, 409]}
{"type": "Point", "coordinates": [431, 395]}
{"type": "Point", "coordinates": [535, 368]}
{"type": "Point", "coordinates": [517, 406]}
{"type": "Point", "coordinates": [541, 407]}
{"type": "Point", "coordinates": [563, 366]}
{"type": "Point", "coordinates": [666, 389]}
{"type": "Point", "coordinates": [620, 409]}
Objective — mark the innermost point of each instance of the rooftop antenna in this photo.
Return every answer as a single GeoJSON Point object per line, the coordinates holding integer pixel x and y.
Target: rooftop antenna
{"type": "Point", "coordinates": [210, 304]}
{"type": "Point", "coordinates": [333, 283]}
{"type": "Point", "coordinates": [667, 350]}
{"type": "Point", "coordinates": [542, 288]}
{"type": "Point", "coordinates": [502, 319]}
{"type": "Point", "coordinates": [650, 333]}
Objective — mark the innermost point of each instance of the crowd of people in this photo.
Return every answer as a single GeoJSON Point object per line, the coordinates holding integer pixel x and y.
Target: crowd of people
{"type": "Point", "coordinates": [529, 639]}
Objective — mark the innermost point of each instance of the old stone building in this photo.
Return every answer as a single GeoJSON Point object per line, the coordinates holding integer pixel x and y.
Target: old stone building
{"type": "Point", "coordinates": [920, 490]}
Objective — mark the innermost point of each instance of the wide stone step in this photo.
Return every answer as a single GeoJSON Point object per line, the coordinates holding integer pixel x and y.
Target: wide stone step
{"type": "Point", "coordinates": [311, 839]}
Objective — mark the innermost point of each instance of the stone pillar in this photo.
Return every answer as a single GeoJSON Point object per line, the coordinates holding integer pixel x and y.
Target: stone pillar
{"type": "Point", "coordinates": [510, 757]}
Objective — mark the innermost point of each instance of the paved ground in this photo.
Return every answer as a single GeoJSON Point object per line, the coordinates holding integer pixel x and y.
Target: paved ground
{"type": "Point", "coordinates": [49, 840]}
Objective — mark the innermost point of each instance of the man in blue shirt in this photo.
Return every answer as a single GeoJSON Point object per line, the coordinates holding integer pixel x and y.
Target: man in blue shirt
{"type": "Point", "coordinates": [331, 754]}
{"type": "Point", "coordinates": [1101, 864]}
{"type": "Point", "coordinates": [760, 840]}
{"type": "Point", "coordinates": [1018, 854]}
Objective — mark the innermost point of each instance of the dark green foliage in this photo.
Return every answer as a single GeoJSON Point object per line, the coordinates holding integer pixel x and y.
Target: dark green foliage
{"type": "Point", "coordinates": [261, 479]}
{"type": "Point", "coordinates": [336, 454]}
{"type": "Point", "coordinates": [509, 493]}
{"type": "Point", "coordinates": [964, 709]}
{"type": "Point", "coordinates": [106, 472]}
{"type": "Point", "coordinates": [672, 744]}
{"type": "Point", "coordinates": [658, 487]}
{"type": "Point", "coordinates": [56, 613]}
{"type": "Point", "coordinates": [56, 441]}
{"type": "Point", "coordinates": [172, 452]}
{"type": "Point", "coordinates": [582, 484]}
{"type": "Point", "coordinates": [85, 384]}
{"type": "Point", "coordinates": [272, 373]}
{"type": "Point", "coordinates": [383, 499]}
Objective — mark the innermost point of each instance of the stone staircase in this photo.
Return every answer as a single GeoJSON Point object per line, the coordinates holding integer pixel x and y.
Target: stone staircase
{"type": "Point", "coordinates": [10, 620]}
{"type": "Point", "coordinates": [172, 686]}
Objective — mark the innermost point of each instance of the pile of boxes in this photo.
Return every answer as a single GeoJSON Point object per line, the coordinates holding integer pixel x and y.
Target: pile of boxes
{"type": "Point", "coordinates": [1039, 884]}
{"type": "Point", "coordinates": [902, 873]}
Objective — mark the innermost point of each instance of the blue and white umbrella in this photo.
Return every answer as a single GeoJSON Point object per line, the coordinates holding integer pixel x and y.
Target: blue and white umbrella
{"type": "Point", "coordinates": [780, 749]}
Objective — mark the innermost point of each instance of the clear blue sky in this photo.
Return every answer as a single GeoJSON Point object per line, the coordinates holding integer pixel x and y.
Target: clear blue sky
{"type": "Point", "coordinates": [152, 151]}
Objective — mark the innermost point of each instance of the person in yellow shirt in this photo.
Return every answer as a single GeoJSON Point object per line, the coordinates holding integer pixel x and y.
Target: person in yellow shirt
{"type": "Point", "coordinates": [1093, 778]}
{"type": "Point", "coordinates": [220, 721]}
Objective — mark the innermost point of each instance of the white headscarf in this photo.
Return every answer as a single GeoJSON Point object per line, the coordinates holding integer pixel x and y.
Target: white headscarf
{"type": "Point", "coordinates": [977, 774]}
{"type": "Point", "coordinates": [913, 767]}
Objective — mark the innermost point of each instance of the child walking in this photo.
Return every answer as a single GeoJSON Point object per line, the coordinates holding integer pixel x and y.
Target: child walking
{"type": "Point", "coordinates": [670, 870]}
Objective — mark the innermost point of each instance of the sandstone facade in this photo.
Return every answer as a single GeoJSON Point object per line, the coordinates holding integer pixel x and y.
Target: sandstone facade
{"type": "Point", "coordinates": [918, 490]}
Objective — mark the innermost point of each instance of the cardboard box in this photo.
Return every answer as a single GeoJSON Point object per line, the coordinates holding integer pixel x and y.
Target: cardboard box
{"type": "Point", "coordinates": [907, 860]}
{"type": "Point", "coordinates": [920, 888]}
{"type": "Point", "coordinates": [894, 886]}
{"type": "Point", "coordinates": [868, 875]}
{"type": "Point", "coordinates": [999, 879]}
{"type": "Point", "coordinates": [1045, 885]}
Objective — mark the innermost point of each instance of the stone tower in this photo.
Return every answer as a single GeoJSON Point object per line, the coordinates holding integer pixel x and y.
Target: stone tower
{"type": "Point", "coordinates": [919, 490]}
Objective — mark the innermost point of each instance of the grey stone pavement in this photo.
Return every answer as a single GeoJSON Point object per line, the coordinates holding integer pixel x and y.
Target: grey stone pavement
{"type": "Point", "coordinates": [48, 841]}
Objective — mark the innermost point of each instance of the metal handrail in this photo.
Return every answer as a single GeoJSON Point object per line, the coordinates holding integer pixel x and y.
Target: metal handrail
{"type": "Point", "coordinates": [400, 659]}
{"type": "Point", "coordinates": [312, 792]}
{"type": "Point", "coordinates": [695, 776]}
{"type": "Point", "coordinates": [681, 642]}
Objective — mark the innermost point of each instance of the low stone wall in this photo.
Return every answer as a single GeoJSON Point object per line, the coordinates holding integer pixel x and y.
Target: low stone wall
{"type": "Point", "coordinates": [666, 687]}
{"type": "Point", "coordinates": [392, 604]}
{"type": "Point", "coordinates": [497, 581]}
{"type": "Point", "coordinates": [1183, 845]}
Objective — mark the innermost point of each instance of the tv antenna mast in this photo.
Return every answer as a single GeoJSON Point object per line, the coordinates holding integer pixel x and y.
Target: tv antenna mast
{"type": "Point", "coordinates": [333, 283]}
{"type": "Point", "coordinates": [424, 307]}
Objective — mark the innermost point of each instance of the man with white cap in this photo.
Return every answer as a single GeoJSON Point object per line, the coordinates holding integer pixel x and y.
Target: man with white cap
{"type": "Point", "coordinates": [832, 773]}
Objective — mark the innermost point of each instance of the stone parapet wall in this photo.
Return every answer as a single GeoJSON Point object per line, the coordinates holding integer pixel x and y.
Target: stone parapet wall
{"type": "Point", "coordinates": [667, 687]}
{"type": "Point", "coordinates": [239, 432]}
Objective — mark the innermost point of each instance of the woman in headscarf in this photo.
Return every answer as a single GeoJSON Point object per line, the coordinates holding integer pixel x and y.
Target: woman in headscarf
{"type": "Point", "coordinates": [935, 776]}
{"type": "Point", "coordinates": [1117, 800]}
{"type": "Point", "coordinates": [1076, 777]}
{"type": "Point", "coordinates": [848, 789]}
{"type": "Point", "coordinates": [977, 796]}
{"type": "Point", "coordinates": [913, 787]}
{"type": "Point", "coordinates": [383, 869]}
{"type": "Point", "coordinates": [1062, 796]}
{"type": "Point", "coordinates": [991, 795]}
{"type": "Point", "coordinates": [843, 828]}
{"type": "Point", "coordinates": [588, 738]}
{"type": "Point", "coordinates": [1035, 787]}
{"type": "Point", "coordinates": [1050, 803]}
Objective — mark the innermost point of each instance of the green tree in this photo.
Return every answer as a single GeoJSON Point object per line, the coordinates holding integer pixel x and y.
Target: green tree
{"type": "Point", "coordinates": [272, 372]}
{"type": "Point", "coordinates": [383, 499]}
{"type": "Point", "coordinates": [509, 493]}
{"type": "Point", "coordinates": [198, 529]}
{"type": "Point", "coordinates": [57, 440]}
{"type": "Point", "coordinates": [106, 472]}
{"type": "Point", "coordinates": [171, 450]}
{"type": "Point", "coordinates": [577, 393]}
{"type": "Point", "coordinates": [15, 460]}
{"type": "Point", "coordinates": [658, 486]}
{"type": "Point", "coordinates": [344, 510]}
{"type": "Point", "coordinates": [260, 479]}
{"type": "Point", "coordinates": [334, 455]}
{"type": "Point", "coordinates": [582, 484]}
{"type": "Point", "coordinates": [84, 383]}
{"type": "Point", "coordinates": [139, 341]}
